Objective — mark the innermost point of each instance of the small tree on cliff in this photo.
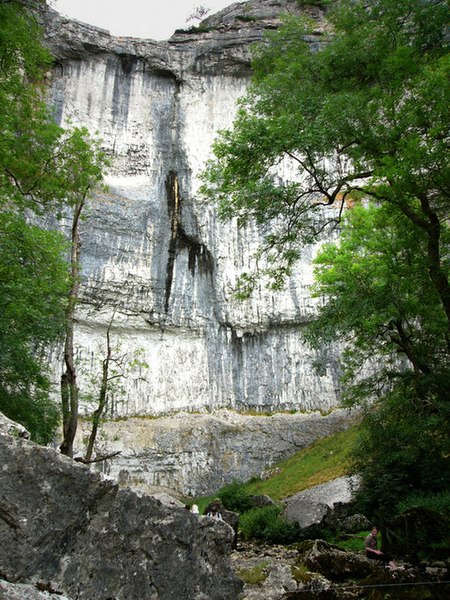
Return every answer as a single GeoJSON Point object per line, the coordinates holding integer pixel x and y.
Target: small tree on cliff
{"type": "Point", "coordinates": [199, 13]}
{"type": "Point", "coordinates": [107, 386]}
{"type": "Point", "coordinates": [43, 169]}
{"type": "Point", "coordinates": [85, 171]}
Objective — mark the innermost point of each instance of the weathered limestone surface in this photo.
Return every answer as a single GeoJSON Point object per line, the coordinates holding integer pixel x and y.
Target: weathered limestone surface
{"type": "Point", "coordinates": [65, 530]}
{"type": "Point", "coordinates": [12, 428]}
{"type": "Point", "coordinates": [310, 506]}
{"type": "Point", "coordinates": [24, 591]}
{"type": "Point", "coordinates": [153, 248]}
{"type": "Point", "coordinates": [198, 454]}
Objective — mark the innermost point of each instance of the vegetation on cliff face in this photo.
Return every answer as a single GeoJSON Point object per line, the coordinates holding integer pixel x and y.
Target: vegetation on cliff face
{"type": "Point", "coordinates": [364, 123]}
{"type": "Point", "coordinates": [44, 171]}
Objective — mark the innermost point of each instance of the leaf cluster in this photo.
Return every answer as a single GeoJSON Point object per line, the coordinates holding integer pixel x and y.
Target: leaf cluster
{"type": "Point", "coordinates": [43, 170]}
{"type": "Point", "coordinates": [33, 289]}
{"type": "Point", "coordinates": [356, 122]}
{"type": "Point", "coordinates": [364, 110]}
{"type": "Point", "coordinates": [403, 452]}
{"type": "Point", "coordinates": [378, 298]}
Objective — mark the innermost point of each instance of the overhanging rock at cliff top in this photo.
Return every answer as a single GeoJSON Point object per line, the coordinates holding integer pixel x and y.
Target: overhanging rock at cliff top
{"type": "Point", "coordinates": [66, 531]}
{"type": "Point", "coordinates": [153, 249]}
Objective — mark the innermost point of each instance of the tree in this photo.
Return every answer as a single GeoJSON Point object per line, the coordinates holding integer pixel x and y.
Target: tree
{"type": "Point", "coordinates": [379, 304]}
{"type": "Point", "coordinates": [115, 367]}
{"type": "Point", "coordinates": [378, 299]}
{"type": "Point", "coordinates": [85, 163]}
{"type": "Point", "coordinates": [33, 292]}
{"type": "Point", "coordinates": [199, 13]}
{"type": "Point", "coordinates": [366, 113]}
{"type": "Point", "coordinates": [43, 169]}
{"type": "Point", "coordinates": [363, 118]}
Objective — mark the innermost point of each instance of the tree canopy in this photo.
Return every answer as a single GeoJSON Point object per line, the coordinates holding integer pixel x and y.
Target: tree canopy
{"type": "Point", "coordinates": [44, 170]}
{"type": "Point", "coordinates": [393, 328]}
{"type": "Point", "coordinates": [378, 298]}
{"type": "Point", "coordinates": [366, 113]}
{"type": "Point", "coordinates": [350, 131]}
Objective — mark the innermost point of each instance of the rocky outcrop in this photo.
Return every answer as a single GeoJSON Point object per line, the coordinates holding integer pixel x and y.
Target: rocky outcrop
{"type": "Point", "coordinates": [316, 570]}
{"type": "Point", "coordinates": [333, 563]}
{"type": "Point", "coordinates": [267, 571]}
{"type": "Point", "coordinates": [23, 591]}
{"type": "Point", "coordinates": [65, 530]}
{"type": "Point", "coordinates": [12, 428]}
{"type": "Point", "coordinates": [153, 250]}
{"type": "Point", "coordinates": [196, 454]}
{"type": "Point", "coordinates": [310, 506]}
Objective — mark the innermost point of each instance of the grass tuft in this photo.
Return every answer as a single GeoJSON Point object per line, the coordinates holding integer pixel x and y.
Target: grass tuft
{"type": "Point", "coordinates": [254, 575]}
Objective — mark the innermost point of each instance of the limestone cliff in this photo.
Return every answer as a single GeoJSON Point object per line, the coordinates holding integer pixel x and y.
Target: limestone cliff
{"type": "Point", "coordinates": [153, 249]}
{"type": "Point", "coordinates": [195, 454]}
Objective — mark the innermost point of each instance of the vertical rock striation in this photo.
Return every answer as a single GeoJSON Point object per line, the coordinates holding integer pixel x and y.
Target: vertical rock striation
{"type": "Point", "coordinates": [153, 249]}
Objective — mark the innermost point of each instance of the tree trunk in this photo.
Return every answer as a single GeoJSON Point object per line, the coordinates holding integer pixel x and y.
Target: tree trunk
{"type": "Point", "coordinates": [69, 388]}
{"type": "Point", "coordinates": [102, 399]}
{"type": "Point", "coordinates": [430, 223]}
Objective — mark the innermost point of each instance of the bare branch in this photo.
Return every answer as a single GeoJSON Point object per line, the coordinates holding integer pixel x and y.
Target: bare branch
{"type": "Point", "coordinates": [97, 458]}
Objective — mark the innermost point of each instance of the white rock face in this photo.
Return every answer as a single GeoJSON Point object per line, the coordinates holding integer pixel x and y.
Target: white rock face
{"type": "Point", "coordinates": [154, 251]}
{"type": "Point", "coordinates": [196, 454]}
{"type": "Point", "coordinates": [310, 506]}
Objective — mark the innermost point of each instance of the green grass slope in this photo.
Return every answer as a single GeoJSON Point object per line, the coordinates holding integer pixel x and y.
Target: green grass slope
{"type": "Point", "coordinates": [326, 459]}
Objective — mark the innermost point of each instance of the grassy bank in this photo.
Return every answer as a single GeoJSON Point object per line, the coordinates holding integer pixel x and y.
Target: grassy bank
{"type": "Point", "coordinates": [326, 459]}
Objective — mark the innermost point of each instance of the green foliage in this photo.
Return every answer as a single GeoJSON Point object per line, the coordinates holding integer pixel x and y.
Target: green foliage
{"type": "Point", "coordinates": [380, 304]}
{"type": "Point", "coordinates": [33, 408]}
{"type": "Point", "coordinates": [404, 451]}
{"type": "Point", "coordinates": [43, 168]}
{"type": "Point", "coordinates": [121, 366]}
{"type": "Point", "coordinates": [235, 497]}
{"type": "Point", "coordinates": [255, 575]}
{"type": "Point", "coordinates": [439, 503]}
{"type": "Point", "coordinates": [33, 288]}
{"type": "Point", "coordinates": [301, 573]}
{"type": "Point", "coordinates": [351, 542]}
{"type": "Point", "coordinates": [267, 524]}
{"type": "Point", "coordinates": [362, 118]}
{"type": "Point", "coordinates": [246, 18]}
{"type": "Point", "coordinates": [367, 113]}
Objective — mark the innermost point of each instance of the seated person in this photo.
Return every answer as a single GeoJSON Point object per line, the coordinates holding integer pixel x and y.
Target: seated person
{"type": "Point", "coordinates": [214, 514]}
{"type": "Point", "coordinates": [371, 543]}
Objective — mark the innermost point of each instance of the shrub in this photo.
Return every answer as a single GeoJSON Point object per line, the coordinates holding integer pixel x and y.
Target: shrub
{"type": "Point", "coordinates": [254, 575]}
{"type": "Point", "coordinates": [352, 543]}
{"type": "Point", "coordinates": [439, 503]}
{"type": "Point", "coordinates": [266, 524]}
{"type": "Point", "coordinates": [235, 497]}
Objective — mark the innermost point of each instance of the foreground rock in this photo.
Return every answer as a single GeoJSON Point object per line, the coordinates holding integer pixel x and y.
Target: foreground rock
{"type": "Point", "coordinates": [23, 591]}
{"type": "Point", "coordinates": [316, 570]}
{"type": "Point", "coordinates": [65, 530]}
{"type": "Point", "coordinates": [12, 428]}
